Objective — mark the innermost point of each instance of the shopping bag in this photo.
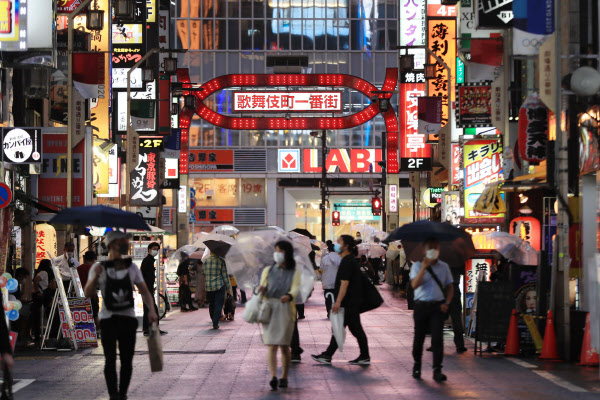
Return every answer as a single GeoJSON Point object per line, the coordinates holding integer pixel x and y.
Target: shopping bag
{"type": "Point", "coordinates": [372, 297]}
{"type": "Point", "coordinates": [251, 309]}
{"type": "Point", "coordinates": [338, 328]}
{"type": "Point", "coordinates": [264, 313]}
{"type": "Point", "coordinates": [229, 307]}
{"type": "Point", "coordinates": [155, 351]}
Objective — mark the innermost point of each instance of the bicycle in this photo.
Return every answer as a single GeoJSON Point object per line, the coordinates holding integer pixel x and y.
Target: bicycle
{"type": "Point", "coordinates": [164, 306]}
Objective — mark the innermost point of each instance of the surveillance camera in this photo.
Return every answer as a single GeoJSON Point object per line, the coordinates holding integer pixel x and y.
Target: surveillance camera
{"type": "Point", "coordinates": [374, 99]}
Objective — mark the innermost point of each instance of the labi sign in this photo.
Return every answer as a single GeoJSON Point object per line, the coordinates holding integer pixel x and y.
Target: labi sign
{"type": "Point", "coordinates": [22, 145]}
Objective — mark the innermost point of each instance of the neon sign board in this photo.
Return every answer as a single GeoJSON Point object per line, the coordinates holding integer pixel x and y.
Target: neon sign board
{"type": "Point", "coordinates": [13, 25]}
{"type": "Point", "coordinates": [287, 101]}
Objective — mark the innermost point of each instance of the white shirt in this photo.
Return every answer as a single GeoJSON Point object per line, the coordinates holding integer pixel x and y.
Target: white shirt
{"type": "Point", "coordinates": [329, 265]}
{"type": "Point", "coordinates": [135, 275]}
{"type": "Point", "coordinates": [43, 282]}
{"type": "Point", "coordinates": [429, 289]}
{"type": "Point", "coordinates": [63, 266]}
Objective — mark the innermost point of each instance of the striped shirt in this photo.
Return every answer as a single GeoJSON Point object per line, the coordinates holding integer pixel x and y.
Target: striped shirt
{"type": "Point", "coordinates": [215, 271]}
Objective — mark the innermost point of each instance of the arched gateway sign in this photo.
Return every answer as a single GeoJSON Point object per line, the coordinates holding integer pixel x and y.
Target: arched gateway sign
{"type": "Point", "coordinates": [295, 123]}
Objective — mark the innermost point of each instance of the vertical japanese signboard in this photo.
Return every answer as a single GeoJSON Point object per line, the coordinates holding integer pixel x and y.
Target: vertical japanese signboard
{"type": "Point", "coordinates": [482, 164]}
{"type": "Point", "coordinates": [415, 153]}
{"type": "Point", "coordinates": [143, 179]}
{"type": "Point", "coordinates": [412, 23]}
{"type": "Point", "coordinates": [45, 242]}
{"type": "Point", "coordinates": [441, 33]}
{"type": "Point", "coordinates": [13, 25]}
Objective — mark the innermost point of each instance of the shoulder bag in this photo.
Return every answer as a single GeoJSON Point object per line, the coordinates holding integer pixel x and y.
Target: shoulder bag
{"type": "Point", "coordinates": [265, 310]}
{"type": "Point", "coordinates": [439, 283]}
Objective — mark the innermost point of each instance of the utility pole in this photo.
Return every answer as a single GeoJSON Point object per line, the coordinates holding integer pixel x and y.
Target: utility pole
{"type": "Point", "coordinates": [323, 183]}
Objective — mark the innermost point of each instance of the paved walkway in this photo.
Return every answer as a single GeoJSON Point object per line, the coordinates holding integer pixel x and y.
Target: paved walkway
{"type": "Point", "coordinates": [200, 363]}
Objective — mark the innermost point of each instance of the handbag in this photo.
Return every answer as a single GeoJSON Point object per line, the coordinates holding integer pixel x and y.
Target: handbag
{"type": "Point", "coordinates": [372, 298]}
{"type": "Point", "coordinates": [155, 351]}
{"type": "Point", "coordinates": [251, 309]}
{"type": "Point", "coordinates": [264, 313]}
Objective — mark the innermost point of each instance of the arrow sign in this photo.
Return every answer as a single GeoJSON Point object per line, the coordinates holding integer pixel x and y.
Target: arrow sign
{"type": "Point", "coordinates": [5, 195]}
{"type": "Point", "coordinates": [505, 16]}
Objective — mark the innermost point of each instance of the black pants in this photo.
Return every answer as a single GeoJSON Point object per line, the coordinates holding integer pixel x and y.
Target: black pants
{"type": "Point", "coordinates": [352, 321]}
{"type": "Point", "coordinates": [145, 323]}
{"type": "Point", "coordinates": [118, 329]}
{"type": "Point", "coordinates": [300, 309]}
{"type": "Point", "coordinates": [428, 316]}
{"type": "Point", "coordinates": [295, 345]}
{"type": "Point", "coordinates": [328, 299]}
{"type": "Point", "coordinates": [455, 311]}
{"type": "Point", "coordinates": [216, 299]}
{"type": "Point", "coordinates": [185, 296]}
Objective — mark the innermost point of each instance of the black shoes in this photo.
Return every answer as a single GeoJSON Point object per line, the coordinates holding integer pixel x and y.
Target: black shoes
{"type": "Point", "coordinates": [273, 383]}
{"type": "Point", "coordinates": [296, 358]}
{"type": "Point", "coordinates": [162, 333]}
{"type": "Point", "coordinates": [322, 358]}
{"type": "Point", "coordinates": [361, 361]}
{"type": "Point", "coordinates": [416, 371]}
{"type": "Point", "coordinates": [438, 376]}
{"type": "Point", "coordinates": [462, 350]}
{"type": "Point", "coordinates": [283, 383]}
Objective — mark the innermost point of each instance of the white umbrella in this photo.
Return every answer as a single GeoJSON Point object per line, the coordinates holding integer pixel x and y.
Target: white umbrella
{"type": "Point", "coordinates": [318, 243]}
{"type": "Point", "coordinates": [364, 229]}
{"type": "Point", "coordinates": [271, 228]}
{"type": "Point", "coordinates": [375, 236]}
{"type": "Point", "coordinates": [338, 328]}
{"type": "Point", "coordinates": [227, 230]}
{"type": "Point", "coordinates": [212, 236]}
{"type": "Point", "coordinates": [301, 240]}
{"type": "Point", "coordinates": [253, 251]}
{"type": "Point", "coordinates": [371, 250]}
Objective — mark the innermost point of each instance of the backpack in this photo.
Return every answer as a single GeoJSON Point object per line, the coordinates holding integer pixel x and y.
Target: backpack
{"type": "Point", "coordinates": [118, 293]}
{"type": "Point", "coordinates": [371, 297]}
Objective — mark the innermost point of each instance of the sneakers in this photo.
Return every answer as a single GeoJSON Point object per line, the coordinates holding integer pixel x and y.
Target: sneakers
{"type": "Point", "coordinates": [361, 361]}
{"type": "Point", "coordinates": [296, 358]}
{"type": "Point", "coordinates": [322, 358]}
{"type": "Point", "coordinates": [416, 371]}
{"type": "Point", "coordinates": [162, 333]}
{"type": "Point", "coordinates": [146, 333]}
{"type": "Point", "coordinates": [438, 376]}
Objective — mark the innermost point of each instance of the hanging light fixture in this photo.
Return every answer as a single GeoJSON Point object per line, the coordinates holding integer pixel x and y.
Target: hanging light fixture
{"type": "Point", "coordinates": [94, 20]}
{"type": "Point", "coordinates": [407, 62]}
{"type": "Point", "coordinates": [170, 65]}
{"type": "Point", "coordinates": [189, 101]}
{"type": "Point", "coordinates": [148, 74]}
{"type": "Point", "coordinates": [430, 71]}
{"type": "Point", "coordinates": [124, 9]}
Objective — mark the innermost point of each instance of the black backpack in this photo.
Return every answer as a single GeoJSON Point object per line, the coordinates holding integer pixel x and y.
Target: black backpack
{"type": "Point", "coordinates": [371, 297]}
{"type": "Point", "coordinates": [118, 293]}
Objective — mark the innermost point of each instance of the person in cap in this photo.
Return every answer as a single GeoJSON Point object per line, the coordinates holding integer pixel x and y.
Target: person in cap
{"type": "Point", "coordinates": [116, 279]}
{"type": "Point", "coordinates": [148, 269]}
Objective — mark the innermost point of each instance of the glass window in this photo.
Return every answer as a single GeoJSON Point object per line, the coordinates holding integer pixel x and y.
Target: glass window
{"type": "Point", "coordinates": [253, 192]}
{"type": "Point", "coordinates": [225, 192]}
{"type": "Point", "coordinates": [271, 138]}
{"type": "Point", "coordinates": [204, 191]}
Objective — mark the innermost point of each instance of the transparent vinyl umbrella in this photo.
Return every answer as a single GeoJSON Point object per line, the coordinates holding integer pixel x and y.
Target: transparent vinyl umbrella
{"type": "Point", "coordinates": [228, 230]}
{"type": "Point", "coordinates": [176, 257]}
{"type": "Point", "coordinates": [253, 251]}
{"type": "Point", "coordinates": [511, 247]}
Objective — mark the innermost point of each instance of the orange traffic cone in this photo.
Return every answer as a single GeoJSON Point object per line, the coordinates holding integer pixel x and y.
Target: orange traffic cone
{"type": "Point", "coordinates": [589, 355]}
{"type": "Point", "coordinates": [549, 351]}
{"type": "Point", "coordinates": [512, 339]}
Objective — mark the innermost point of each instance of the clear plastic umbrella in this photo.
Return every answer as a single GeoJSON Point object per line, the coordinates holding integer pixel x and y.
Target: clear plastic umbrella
{"type": "Point", "coordinates": [364, 229]}
{"type": "Point", "coordinates": [227, 230]}
{"type": "Point", "coordinates": [271, 228]}
{"type": "Point", "coordinates": [253, 251]}
{"type": "Point", "coordinates": [212, 236]}
{"type": "Point", "coordinates": [511, 247]}
{"type": "Point", "coordinates": [302, 241]}
{"type": "Point", "coordinates": [371, 250]}
{"type": "Point", "coordinates": [375, 236]}
{"type": "Point", "coordinates": [176, 258]}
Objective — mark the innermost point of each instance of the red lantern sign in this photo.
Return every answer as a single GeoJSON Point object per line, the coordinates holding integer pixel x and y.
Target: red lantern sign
{"type": "Point", "coordinates": [533, 129]}
{"type": "Point", "coordinates": [528, 229]}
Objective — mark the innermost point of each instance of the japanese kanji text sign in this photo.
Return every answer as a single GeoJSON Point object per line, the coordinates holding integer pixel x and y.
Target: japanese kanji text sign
{"type": "Point", "coordinates": [412, 22]}
{"type": "Point", "coordinates": [533, 129]}
{"type": "Point", "coordinates": [415, 153]}
{"type": "Point", "coordinates": [143, 179]}
{"type": "Point", "coordinates": [442, 42]}
{"type": "Point", "coordinates": [482, 164]}
{"type": "Point", "coordinates": [287, 101]}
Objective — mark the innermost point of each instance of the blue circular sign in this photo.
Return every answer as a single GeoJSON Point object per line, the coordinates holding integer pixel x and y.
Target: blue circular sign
{"type": "Point", "coordinates": [5, 195]}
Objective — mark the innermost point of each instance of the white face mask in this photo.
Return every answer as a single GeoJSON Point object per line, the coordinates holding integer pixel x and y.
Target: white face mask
{"type": "Point", "coordinates": [278, 257]}
{"type": "Point", "coordinates": [432, 254]}
{"type": "Point", "coordinates": [153, 253]}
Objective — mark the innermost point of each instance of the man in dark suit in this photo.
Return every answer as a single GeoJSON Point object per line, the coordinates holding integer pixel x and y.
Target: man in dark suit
{"type": "Point", "coordinates": [148, 269]}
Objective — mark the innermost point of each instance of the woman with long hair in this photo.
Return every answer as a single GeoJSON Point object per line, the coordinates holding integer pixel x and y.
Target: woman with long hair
{"type": "Point", "coordinates": [280, 285]}
{"type": "Point", "coordinates": [42, 290]}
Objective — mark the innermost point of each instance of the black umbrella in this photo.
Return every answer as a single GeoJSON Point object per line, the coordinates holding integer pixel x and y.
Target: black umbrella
{"type": "Point", "coordinates": [420, 231]}
{"type": "Point", "coordinates": [100, 216]}
{"type": "Point", "coordinates": [218, 247]}
{"type": "Point", "coordinates": [455, 253]}
{"type": "Point", "coordinates": [304, 232]}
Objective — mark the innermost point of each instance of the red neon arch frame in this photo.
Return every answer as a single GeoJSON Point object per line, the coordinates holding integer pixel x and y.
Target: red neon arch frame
{"type": "Point", "coordinates": [298, 123]}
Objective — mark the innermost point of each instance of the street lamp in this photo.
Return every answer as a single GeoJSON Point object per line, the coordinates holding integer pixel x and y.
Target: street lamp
{"type": "Point", "coordinates": [94, 20]}
{"type": "Point", "coordinates": [170, 65]}
{"type": "Point", "coordinates": [148, 74]}
{"type": "Point", "coordinates": [124, 9]}
{"type": "Point", "coordinates": [407, 62]}
{"type": "Point", "coordinates": [430, 71]}
{"type": "Point", "coordinates": [189, 101]}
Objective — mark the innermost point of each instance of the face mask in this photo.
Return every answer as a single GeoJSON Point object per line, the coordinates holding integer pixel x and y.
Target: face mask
{"type": "Point", "coordinates": [154, 253]}
{"type": "Point", "coordinates": [70, 254]}
{"type": "Point", "coordinates": [278, 257]}
{"type": "Point", "coordinates": [123, 248]}
{"type": "Point", "coordinates": [337, 248]}
{"type": "Point", "coordinates": [432, 254]}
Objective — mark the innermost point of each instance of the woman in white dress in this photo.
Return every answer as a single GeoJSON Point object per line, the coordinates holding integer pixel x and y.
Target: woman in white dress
{"type": "Point", "coordinates": [280, 285]}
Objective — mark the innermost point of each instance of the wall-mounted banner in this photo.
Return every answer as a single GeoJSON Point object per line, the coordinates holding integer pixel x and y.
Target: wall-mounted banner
{"type": "Point", "coordinates": [494, 13]}
{"type": "Point", "coordinates": [456, 164]}
{"type": "Point", "coordinates": [393, 191]}
{"type": "Point", "coordinates": [88, 74]}
{"type": "Point", "coordinates": [45, 242]}
{"type": "Point", "coordinates": [482, 165]}
{"type": "Point", "coordinates": [589, 156]}
{"type": "Point", "coordinates": [442, 42]}
{"type": "Point", "coordinates": [415, 153]}
{"type": "Point", "coordinates": [532, 24]}
{"type": "Point", "coordinates": [452, 212]}
{"type": "Point", "coordinates": [412, 23]}
{"type": "Point", "coordinates": [308, 101]}
{"type": "Point", "coordinates": [547, 73]}
{"type": "Point", "coordinates": [143, 180]}
{"type": "Point", "coordinates": [22, 145]}
{"type": "Point", "coordinates": [486, 59]}
{"type": "Point", "coordinates": [533, 129]}
{"type": "Point", "coordinates": [343, 161]}
{"type": "Point", "coordinates": [474, 104]}
{"type": "Point", "coordinates": [127, 33]}
{"type": "Point", "coordinates": [13, 25]}
{"type": "Point", "coordinates": [430, 115]}
{"type": "Point", "coordinates": [498, 100]}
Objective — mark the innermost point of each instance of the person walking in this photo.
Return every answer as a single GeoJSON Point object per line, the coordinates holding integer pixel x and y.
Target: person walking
{"type": "Point", "coordinates": [148, 270]}
{"type": "Point", "coordinates": [349, 295]}
{"type": "Point", "coordinates": [116, 279]}
{"type": "Point", "coordinates": [89, 258]}
{"type": "Point", "coordinates": [185, 294]}
{"type": "Point", "coordinates": [329, 265]}
{"type": "Point", "coordinates": [217, 285]}
{"type": "Point", "coordinates": [280, 285]}
{"type": "Point", "coordinates": [432, 281]}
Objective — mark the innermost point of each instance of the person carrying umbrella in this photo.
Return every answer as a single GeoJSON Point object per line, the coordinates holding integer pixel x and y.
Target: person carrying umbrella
{"type": "Point", "coordinates": [217, 279]}
{"type": "Point", "coordinates": [432, 281]}
{"type": "Point", "coordinates": [116, 278]}
{"type": "Point", "coordinates": [185, 294]}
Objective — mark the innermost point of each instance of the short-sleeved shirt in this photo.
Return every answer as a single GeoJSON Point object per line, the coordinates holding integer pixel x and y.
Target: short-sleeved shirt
{"type": "Point", "coordinates": [135, 275]}
{"type": "Point", "coordinates": [64, 266]}
{"type": "Point", "coordinates": [429, 289]}
{"type": "Point", "coordinates": [349, 271]}
{"type": "Point", "coordinates": [44, 280]}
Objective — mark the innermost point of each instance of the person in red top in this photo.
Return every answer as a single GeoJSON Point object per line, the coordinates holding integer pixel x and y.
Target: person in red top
{"type": "Point", "coordinates": [89, 258]}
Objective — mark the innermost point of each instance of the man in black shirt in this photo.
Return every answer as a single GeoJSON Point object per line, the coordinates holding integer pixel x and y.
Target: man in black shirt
{"type": "Point", "coordinates": [148, 269]}
{"type": "Point", "coordinates": [349, 295]}
{"type": "Point", "coordinates": [185, 294]}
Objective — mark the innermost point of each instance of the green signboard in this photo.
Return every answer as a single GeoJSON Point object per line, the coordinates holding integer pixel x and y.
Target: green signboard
{"type": "Point", "coordinates": [354, 212]}
{"type": "Point", "coordinates": [460, 71]}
